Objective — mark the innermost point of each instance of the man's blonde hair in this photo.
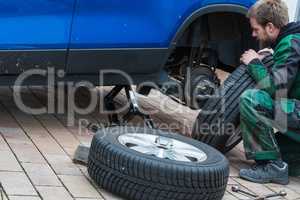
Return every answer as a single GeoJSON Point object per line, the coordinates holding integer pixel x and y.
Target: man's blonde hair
{"type": "Point", "coordinates": [270, 11]}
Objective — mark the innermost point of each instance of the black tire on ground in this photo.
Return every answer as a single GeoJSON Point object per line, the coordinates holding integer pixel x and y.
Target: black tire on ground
{"type": "Point", "coordinates": [203, 81]}
{"type": "Point", "coordinates": [218, 122]}
{"type": "Point", "coordinates": [135, 176]}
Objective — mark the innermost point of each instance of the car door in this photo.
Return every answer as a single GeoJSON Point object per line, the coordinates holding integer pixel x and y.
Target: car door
{"type": "Point", "coordinates": [34, 34]}
{"type": "Point", "coordinates": [128, 35]}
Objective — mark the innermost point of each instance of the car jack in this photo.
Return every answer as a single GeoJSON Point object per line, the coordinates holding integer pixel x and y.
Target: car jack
{"type": "Point", "coordinates": [82, 151]}
{"type": "Point", "coordinates": [133, 111]}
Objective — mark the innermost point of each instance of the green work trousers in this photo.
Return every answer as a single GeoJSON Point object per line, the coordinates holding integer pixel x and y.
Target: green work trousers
{"type": "Point", "coordinates": [262, 118]}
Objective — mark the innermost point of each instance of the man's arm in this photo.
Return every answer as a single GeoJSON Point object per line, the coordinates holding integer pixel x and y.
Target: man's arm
{"type": "Point", "coordinates": [284, 71]}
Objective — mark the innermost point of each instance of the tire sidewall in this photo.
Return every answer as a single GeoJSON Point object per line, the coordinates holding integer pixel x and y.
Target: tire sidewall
{"type": "Point", "coordinates": [110, 135]}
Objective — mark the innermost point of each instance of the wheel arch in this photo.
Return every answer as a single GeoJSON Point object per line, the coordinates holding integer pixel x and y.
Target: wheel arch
{"type": "Point", "coordinates": [227, 60]}
{"type": "Point", "coordinates": [203, 11]}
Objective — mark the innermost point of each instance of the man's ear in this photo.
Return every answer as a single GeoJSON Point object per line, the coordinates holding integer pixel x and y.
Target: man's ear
{"type": "Point", "coordinates": [270, 28]}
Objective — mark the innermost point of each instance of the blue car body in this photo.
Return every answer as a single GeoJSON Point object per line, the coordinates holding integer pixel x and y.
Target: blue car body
{"type": "Point", "coordinates": [85, 36]}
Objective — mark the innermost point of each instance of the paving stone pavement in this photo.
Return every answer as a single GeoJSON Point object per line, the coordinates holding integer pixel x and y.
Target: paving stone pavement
{"type": "Point", "coordinates": [36, 151]}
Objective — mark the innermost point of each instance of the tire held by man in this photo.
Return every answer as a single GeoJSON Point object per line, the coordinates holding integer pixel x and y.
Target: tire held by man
{"type": "Point", "coordinates": [218, 122]}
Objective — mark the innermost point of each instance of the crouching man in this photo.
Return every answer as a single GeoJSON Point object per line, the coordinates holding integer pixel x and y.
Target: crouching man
{"type": "Point", "coordinates": [274, 105]}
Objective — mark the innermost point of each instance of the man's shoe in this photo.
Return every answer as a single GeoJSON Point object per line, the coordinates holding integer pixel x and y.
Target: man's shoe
{"type": "Point", "coordinates": [270, 172]}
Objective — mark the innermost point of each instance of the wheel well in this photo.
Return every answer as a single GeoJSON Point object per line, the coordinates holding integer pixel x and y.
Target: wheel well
{"type": "Point", "coordinates": [224, 34]}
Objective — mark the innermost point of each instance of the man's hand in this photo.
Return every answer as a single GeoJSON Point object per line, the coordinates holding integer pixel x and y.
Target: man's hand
{"type": "Point", "coordinates": [248, 56]}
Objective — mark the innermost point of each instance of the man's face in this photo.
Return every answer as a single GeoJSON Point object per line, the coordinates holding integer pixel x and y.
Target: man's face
{"type": "Point", "coordinates": [261, 33]}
